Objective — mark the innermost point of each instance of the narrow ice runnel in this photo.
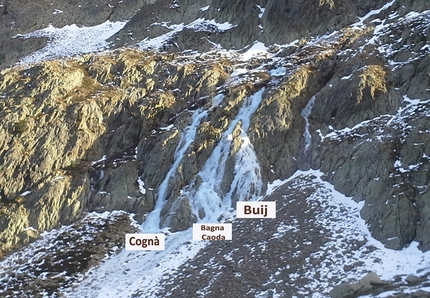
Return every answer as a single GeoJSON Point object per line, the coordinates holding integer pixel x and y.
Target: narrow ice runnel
{"type": "Point", "coordinates": [305, 114]}
{"type": "Point", "coordinates": [152, 221]}
{"type": "Point", "coordinates": [247, 180]}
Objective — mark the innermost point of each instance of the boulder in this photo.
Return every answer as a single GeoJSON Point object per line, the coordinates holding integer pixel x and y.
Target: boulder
{"type": "Point", "coordinates": [413, 279]}
{"type": "Point", "coordinates": [365, 284]}
{"type": "Point", "coordinates": [344, 290]}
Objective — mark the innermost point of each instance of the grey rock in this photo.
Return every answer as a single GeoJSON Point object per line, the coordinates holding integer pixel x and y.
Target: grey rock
{"type": "Point", "coordinates": [421, 294]}
{"type": "Point", "coordinates": [413, 279]}
{"type": "Point", "coordinates": [368, 281]}
{"type": "Point", "coordinates": [178, 215]}
{"type": "Point", "coordinates": [57, 117]}
{"type": "Point", "coordinates": [365, 284]}
{"type": "Point", "coordinates": [344, 290]}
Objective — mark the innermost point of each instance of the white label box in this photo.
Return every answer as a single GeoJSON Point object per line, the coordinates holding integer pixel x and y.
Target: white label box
{"type": "Point", "coordinates": [144, 241]}
{"type": "Point", "coordinates": [259, 209]}
{"type": "Point", "coordinates": [212, 231]}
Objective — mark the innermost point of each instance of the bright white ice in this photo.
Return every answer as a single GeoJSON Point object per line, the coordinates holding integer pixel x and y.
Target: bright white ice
{"type": "Point", "coordinates": [144, 269]}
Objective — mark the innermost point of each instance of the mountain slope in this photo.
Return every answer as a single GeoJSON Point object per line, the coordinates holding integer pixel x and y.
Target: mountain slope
{"type": "Point", "coordinates": [208, 115]}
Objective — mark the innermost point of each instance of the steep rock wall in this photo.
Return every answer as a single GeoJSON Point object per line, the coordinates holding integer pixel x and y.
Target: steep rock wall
{"type": "Point", "coordinates": [71, 140]}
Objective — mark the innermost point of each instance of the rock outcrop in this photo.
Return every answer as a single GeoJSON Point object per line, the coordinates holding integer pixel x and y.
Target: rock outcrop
{"type": "Point", "coordinates": [364, 285]}
{"type": "Point", "coordinates": [386, 172]}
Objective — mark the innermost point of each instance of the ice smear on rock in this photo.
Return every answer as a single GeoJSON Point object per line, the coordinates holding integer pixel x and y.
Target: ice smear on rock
{"type": "Point", "coordinates": [305, 114]}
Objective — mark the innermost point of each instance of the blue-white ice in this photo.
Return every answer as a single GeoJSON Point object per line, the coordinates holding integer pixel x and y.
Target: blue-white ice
{"type": "Point", "coordinates": [152, 222]}
{"type": "Point", "coordinates": [209, 196]}
{"type": "Point", "coordinates": [305, 114]}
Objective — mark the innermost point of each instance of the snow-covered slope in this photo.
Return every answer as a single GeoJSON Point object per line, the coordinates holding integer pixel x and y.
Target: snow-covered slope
{"type": "Point", "coordinates": [336, 238]}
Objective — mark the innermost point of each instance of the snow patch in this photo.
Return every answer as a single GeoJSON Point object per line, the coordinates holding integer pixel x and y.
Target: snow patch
{"type": "Point", "coordinates": [346, 77]}
{"type": "Point", "coordinates": [239, 71]}
{"type": "Point", "coordinates": [262, 10]}
{"type": "Point", "coordinates": [141, 185]}
{"type": "Point", "coordinates": [341, 217]}
{"type": "Point", "coordinates": [71, 40]}
{"type": "Point", "coordinates": [198, 25]}
{"type": "Point", "coordinates": [99, 161]}
{"type": "Point", "coordinates": [373, 12]}
{"type": "Point", "coordinates": [278, 72]}
{"type": "Point", "coordinates": [257, 49]}
{"type": "Point", "coordinates": [168, 128]}
{"type": "Point", "coordinates": [203, 25]}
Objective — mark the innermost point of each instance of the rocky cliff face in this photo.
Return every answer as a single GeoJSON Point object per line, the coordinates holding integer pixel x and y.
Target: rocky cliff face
{"type": "Point", "coordinates": [183, 133]}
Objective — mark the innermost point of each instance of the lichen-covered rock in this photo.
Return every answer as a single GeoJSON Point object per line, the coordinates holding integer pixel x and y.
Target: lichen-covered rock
{"type": "Point", "coordinates": [56, 128]}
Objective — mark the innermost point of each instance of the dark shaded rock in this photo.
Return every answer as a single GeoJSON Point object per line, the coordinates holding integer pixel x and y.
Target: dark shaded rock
{"type": "Point", "coordinates": [364, 169]}
{"type": "Point", "coordinates": [421, 294]}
